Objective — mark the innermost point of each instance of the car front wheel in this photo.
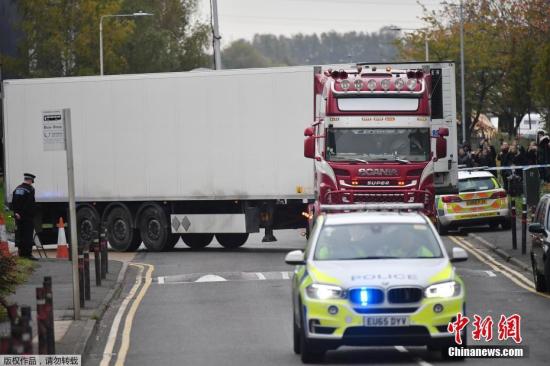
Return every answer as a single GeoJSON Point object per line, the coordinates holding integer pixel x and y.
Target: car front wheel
{"type": "Point", "coordinates": [539, 279]}
{"type": "Point", "coordinates": [309, 352]}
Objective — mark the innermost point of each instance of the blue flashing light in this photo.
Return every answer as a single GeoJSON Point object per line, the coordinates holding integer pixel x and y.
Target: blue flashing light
{"type": "Point", "coordinates": [365, 296]}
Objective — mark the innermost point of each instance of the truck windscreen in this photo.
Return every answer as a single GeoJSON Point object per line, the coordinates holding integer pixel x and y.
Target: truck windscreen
{"type": "Point", "coordinates": [373, 144]}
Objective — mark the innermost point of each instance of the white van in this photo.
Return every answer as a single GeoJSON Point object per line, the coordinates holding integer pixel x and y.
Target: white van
{"type": "Point", "coordinates": [536, 125]}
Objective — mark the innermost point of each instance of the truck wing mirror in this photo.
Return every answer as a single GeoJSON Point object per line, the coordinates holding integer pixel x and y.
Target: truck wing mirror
{"type": "Point", "coordinates": [309, 147]}
{"type": "Point", "coordinates": [440, 147]}
{"type": "Point", "coordinates": [443, 131]}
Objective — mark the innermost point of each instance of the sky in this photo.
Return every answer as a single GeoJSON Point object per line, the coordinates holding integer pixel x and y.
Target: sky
{"type": "Point", "coordinates": [244, 18]}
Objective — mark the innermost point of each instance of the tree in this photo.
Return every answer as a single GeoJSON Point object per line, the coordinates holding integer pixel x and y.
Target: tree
{"type": "Point", "coordinates": [505, 51]}
{"type": "Point", "coordinates": [60, 38]}
{"type": "Point", "coordinates": [169, 40]}
{"type": "Point", "coordinates": [241, 54]}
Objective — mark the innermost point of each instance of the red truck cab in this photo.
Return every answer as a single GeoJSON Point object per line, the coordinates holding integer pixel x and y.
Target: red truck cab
{"type": "Point", "coordinates": [372, 138]}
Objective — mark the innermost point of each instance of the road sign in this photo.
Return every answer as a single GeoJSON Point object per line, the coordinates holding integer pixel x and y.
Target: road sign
{"type": "Point", "coordinates": [53, 130]}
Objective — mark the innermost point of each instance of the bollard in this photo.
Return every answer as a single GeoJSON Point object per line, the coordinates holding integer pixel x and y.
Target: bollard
{"type": "Point", "coordinates": [104, 253]}
{"type": "Point", "coordinates": [48, 294]}
{"type": "Point", "coordinates": [26, 330]}
{"type": "Point", "coordinates": [97, 258]}
{"type": "Point", "coordinates": [16, 339]}
{"type": "Point", "coordinates": [514, 233]}
{"type": "Point", "coordinates": [42, 321]}
{"type": "Point", "coordinates": [15, 331]}
{"type": "Point", "coordinates": [5, 345]}
{"type": "Point", "coordinates": [524, 227]}
{"type": "Point", "coordinates": [86, 253]}
{"type": "Point", "coordinates": [81, 276]}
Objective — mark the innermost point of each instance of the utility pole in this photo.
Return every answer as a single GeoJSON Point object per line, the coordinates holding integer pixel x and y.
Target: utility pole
{"type": "Point", "coordinates": [463, 97]}
{"type": "Point", "coordinates": [216, 35]}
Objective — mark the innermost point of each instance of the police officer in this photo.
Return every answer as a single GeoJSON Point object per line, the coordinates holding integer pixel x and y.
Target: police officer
{"type": "Point", "coordinates": [23, 206]}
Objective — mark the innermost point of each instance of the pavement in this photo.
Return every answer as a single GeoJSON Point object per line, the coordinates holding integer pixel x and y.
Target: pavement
{"type": "Point", "coordinates": [72, 337]}
{"type": "Point", "coordinates": [500, 242]}
{"type": "Point", "coordinates": [220, 307]}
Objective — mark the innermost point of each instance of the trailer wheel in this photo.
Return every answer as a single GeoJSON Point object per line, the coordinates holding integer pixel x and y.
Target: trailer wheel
{"type": "Point", "coordinates": [154, 228]}
{"type": "Point", "coordinates": [88, 220]}
{"type": "Point", "coordinates": [232, 241]}
{"type": "Point", "coordinates": [197, 241]}
{"type": "Point", "coordinates": [172, 241]}
{"type": "Point", "coordinates": [120, 233]}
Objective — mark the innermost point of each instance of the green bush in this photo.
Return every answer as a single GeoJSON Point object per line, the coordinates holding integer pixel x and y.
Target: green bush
{"type": "Point", "coordinates": [13, 271]}
{"type": "Point", "coordinates": [10, 224]}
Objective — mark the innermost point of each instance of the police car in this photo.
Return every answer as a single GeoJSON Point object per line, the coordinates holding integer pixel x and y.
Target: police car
{"type": "Point", "coordinates": [374, 278]}
{"type": "Point", "coordinates": [481, 200]}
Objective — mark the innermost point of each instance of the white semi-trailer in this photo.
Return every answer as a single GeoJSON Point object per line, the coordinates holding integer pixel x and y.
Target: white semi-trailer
{"type": "Point", "coordinates": [159, 156]}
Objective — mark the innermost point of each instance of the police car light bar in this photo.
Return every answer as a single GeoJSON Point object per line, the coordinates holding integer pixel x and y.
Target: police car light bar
{"type": "Point", "coordinates": [374, 207]}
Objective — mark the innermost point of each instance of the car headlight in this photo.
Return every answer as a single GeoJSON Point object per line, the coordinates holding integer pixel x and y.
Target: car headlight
{"type": "Point", "coordinates": [444, 289]}
{"type": "Point", "coordinates": [324, 292]}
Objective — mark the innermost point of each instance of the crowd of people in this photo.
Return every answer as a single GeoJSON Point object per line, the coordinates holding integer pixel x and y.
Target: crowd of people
{"type": "Point", "coordinates": [510, 154]}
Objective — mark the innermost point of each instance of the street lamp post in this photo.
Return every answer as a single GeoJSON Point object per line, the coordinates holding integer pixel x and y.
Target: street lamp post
{"type": "Point", "coordinates": [426, 44]}
{"type": "Point", "coordinates": [138, 14]}
{"type": "Point", "coordinates": [462, 96]}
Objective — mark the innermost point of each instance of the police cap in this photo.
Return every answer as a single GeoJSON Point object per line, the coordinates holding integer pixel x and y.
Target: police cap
{"type": "Point", "coordinates": [29, 176]}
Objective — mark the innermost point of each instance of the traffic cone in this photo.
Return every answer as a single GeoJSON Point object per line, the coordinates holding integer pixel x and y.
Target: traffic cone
{"type": "Point", "coordinates": [4, 246]}
{"type": "Point", "coordinates": [62, 247]}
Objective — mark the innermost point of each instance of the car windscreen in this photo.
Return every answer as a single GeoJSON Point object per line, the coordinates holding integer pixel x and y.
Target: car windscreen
{"type": "Point", "coordinates": [376, 241]}
{"type": "Point", "coordinates": [477, 184]}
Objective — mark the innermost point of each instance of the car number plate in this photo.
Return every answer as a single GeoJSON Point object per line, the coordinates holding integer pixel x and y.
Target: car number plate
{"type": "Point", "coordinates": [476, 202]}
{"type": "Point", "coordinates": [386, 321]}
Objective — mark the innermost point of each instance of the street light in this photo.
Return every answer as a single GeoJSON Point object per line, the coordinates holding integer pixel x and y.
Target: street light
{"type": "Point", "coordinates": [138, 14]}
{"type": "Point", "coordinates": [462, 96]}
{"type": "Point", "coordinates": [426, 45]}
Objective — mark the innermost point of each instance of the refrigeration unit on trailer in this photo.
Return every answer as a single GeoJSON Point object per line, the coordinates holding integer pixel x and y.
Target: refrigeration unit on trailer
{"type": "Point", "coordinates": [383, 133]}
{"type": "Point", "coordinates": [159, 156]}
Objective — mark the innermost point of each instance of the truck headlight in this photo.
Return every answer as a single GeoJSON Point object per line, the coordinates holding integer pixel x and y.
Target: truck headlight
{"type": "Point", "coordinates": [444, 289]}
{"type": "Point", "coordinates": [324, 292]}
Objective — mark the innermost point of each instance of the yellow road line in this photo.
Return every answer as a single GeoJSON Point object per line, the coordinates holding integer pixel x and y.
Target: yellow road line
{"type": "Point", "coordinates": [493, 260]}
{"type": "Point", "coordinates": [498, 267]}
{"type": "Point", "coordinates": [111, 340]}
{"type": "Point", "coordinates": [125, 344]}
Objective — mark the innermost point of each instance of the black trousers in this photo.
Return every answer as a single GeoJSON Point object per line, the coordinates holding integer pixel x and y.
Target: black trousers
{"type": "Point", "coordinates": [24, 237]}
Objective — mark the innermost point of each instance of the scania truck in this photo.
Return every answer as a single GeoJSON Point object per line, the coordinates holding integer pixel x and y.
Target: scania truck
{"type": "Point", "coordinates": [383, 133]}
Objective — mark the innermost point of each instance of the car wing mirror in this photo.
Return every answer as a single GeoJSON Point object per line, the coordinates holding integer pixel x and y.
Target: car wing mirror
{"type": "Point", "coordinates": [536, 228]}
{"type": "Point", "coordinates": [459, 255]}
{"type": "Point", "coordinates": [294, 258]}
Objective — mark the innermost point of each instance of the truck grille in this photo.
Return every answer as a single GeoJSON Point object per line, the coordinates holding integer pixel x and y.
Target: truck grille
{"type": "Point", "coordinates": [404, 295]}
{"type": "Point", "coordinates": [379, 197]}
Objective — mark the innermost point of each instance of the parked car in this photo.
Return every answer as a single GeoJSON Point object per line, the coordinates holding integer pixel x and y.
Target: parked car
{"type": "Point", "coordinates": [480, 200]}
{"type": "Point", "coordinates": [540, 243]}
{"type": "Point", "coordinates": [536, 125]}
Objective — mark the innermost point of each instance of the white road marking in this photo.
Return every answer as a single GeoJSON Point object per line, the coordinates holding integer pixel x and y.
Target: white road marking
{"type": "Point", "coordinates": [211, 278]}
{"type": "Point", "coordinates": [285, 275]}
{"type": "Point", "coordinates": [401, 349]}
{"type": "Point", "coordinates": [108, 352]}
{"type": "Point", "coordinates": [260, 276]}
{"type": "Point", "coordinates": [490, 273]}
{"type": "Point", "coordinates": [421, 362]}
{"type": "Point", "coordinates": [161, 280]}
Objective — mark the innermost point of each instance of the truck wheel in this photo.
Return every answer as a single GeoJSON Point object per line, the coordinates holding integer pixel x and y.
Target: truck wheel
{"type": "Point", "coordinates": [122, 237]}
{"type": "Point", "coordinates": [172, 241]}
{"type": "Point", "coordinates": [232, 241]}
{"type": "Point", "coordinates": [197, 241]}
{"type": "Point", "coordinates": [154, 228]}
{"type": "Point", "coordinates": [538, 279]}
{"type": "Point", "coordinates": [88, 220]}
{"type": "Point", "coordinates": [506, 224]}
